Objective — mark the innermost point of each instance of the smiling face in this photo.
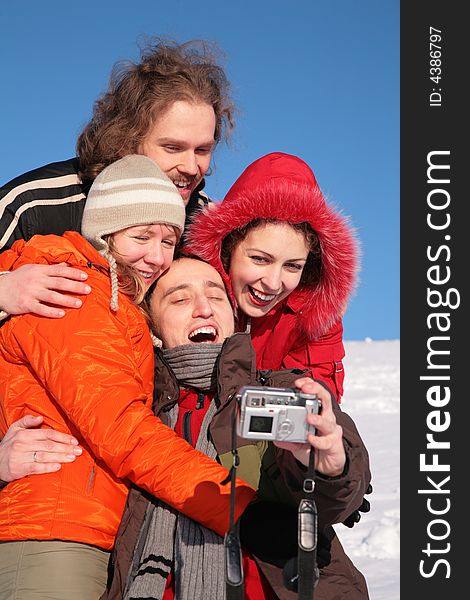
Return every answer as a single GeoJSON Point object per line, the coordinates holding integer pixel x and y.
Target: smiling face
{"type": "Point", "coordinates": [148, 249]}
{"type": "Point", "coordinates": [266, 266]}
{"type": "Point", "coordinates": [190, 305]}
{"type": "Point", "coordinates": [181, 143]}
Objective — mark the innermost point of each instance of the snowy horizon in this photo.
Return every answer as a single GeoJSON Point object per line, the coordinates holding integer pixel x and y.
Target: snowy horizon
{"type": "Point", "coordinates": [372, 399]}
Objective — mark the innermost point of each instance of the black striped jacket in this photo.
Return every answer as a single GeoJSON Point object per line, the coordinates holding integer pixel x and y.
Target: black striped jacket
{"type": "Point", "coordinates": [51, 199]}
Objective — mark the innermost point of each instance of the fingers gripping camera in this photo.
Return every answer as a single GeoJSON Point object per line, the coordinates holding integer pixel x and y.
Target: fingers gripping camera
{"type": "Point", "coordinates": [277, 414]}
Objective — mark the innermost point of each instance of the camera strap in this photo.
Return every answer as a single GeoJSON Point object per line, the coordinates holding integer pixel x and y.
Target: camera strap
{"type": "Point", "coordinates": [308, 573]}
{"type": "Point", "coordinates": [234, 579]}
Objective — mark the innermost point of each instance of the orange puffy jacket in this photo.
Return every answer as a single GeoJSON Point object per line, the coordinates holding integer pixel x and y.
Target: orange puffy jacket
{"type": "Point", "coordinates": [91, 374]}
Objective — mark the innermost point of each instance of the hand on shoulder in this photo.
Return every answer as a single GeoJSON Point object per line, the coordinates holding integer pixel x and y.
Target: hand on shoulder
{"type": "Point", "coordinates": [42, 290]}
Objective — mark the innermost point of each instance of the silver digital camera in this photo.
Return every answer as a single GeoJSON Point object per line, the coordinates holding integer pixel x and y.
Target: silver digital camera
{"type": "Point", "coordinates": [275, 413]}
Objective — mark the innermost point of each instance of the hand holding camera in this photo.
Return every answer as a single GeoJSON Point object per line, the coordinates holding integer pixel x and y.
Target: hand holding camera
{"type": "Point", "coordinates": [295, 421]}
{"type": "Point", "coordinates": [275, 414]}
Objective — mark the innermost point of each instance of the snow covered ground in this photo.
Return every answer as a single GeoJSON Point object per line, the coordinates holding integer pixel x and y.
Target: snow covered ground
{"type": "Point", "coordinates": [372, 399]}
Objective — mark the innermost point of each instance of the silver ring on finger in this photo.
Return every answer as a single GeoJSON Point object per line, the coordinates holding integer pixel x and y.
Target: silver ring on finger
{"type": "Point", "coordinates": [35, 456]}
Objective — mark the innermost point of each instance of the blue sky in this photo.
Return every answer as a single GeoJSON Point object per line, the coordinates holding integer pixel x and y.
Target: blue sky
{"type": "Point", "coordinates": [315, 79]}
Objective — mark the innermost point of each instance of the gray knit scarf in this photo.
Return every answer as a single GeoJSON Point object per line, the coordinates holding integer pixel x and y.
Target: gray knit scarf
{"type": "Point", "coordinates": [194, 365]}
{"type": "Point", "coordinates": [168, 539]}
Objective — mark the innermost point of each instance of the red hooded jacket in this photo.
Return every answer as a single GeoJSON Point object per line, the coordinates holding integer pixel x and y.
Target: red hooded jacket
{"type": "Point", "coordinates": [304, 330]}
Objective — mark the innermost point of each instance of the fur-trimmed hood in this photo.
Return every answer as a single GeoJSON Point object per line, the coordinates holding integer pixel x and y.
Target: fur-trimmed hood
{"type": "Point", "coordinates": [283, 187]}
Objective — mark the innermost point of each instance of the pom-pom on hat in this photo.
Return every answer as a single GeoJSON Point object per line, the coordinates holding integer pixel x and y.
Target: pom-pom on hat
{"type": "Point", "coordinates": [131, 191]}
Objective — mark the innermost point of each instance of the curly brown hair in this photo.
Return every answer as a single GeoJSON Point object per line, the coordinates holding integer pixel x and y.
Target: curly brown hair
{"type": "Point", "coordinates": [311, 272]}
{"type": "Point", "coordinates": [139, 93]}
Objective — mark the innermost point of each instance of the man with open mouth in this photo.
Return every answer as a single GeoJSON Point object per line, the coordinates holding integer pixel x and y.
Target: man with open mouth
{"type": "Point", "coordinates": [201, 366]}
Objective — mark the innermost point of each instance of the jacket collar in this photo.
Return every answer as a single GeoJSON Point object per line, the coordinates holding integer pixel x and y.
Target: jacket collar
{"type": "Point", "coordinates": [85, 249]}
{"type": "Point", "coordinates": [236, 366]}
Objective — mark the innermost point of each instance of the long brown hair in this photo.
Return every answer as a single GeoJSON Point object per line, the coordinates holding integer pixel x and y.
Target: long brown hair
{"type": "Point", "coordinates": [139, 93]}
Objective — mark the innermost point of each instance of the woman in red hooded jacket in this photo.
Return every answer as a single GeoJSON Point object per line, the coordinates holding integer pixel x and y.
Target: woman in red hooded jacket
{"type": "Point", "coordinates": [290, 261]}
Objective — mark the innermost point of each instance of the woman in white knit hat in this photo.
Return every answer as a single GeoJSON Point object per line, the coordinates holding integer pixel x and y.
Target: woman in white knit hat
{"type": "Point", "coordinates": [90, 375]}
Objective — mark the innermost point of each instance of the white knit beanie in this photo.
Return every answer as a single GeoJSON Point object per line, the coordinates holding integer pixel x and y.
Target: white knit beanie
{"type": "Point", "coordinates": [131, 191]}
